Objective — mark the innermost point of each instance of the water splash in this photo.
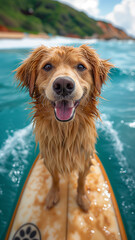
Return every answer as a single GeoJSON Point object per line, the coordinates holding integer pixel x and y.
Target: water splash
{"type": "Point", "coordinates": [107, 126]}
{"type": "Point", "coordinates": [15, 151]}
{"type": "Point", "coordinates": [125, 173]}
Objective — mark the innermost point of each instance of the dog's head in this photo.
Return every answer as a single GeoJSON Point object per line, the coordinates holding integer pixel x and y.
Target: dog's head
{"type": "Point", "coordinates": [64, 76]}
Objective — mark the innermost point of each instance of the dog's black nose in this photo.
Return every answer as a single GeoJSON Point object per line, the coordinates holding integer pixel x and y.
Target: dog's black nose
{"type": "Point", "coordinates": [63, 86]}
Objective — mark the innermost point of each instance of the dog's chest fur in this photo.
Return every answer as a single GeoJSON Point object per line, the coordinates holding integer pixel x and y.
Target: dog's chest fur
{"type": "Point", "coordinates": [65, 146]}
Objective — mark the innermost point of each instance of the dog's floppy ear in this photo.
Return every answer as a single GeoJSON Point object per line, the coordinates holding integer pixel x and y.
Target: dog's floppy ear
{"type": "Point", "coordinates": [26, 73]}
{"type": "Point", "coordinates": [100, 73]}
{"type": "Point", "coordinates": [100, 68]}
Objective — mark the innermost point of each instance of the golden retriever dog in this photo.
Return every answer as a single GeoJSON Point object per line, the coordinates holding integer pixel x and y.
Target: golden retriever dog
{"type": "Point", "coordinates": [64, 84]}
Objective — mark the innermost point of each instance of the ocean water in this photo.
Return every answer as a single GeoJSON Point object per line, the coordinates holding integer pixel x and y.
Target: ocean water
{"type": "Point", "coordinates": [116, 141]}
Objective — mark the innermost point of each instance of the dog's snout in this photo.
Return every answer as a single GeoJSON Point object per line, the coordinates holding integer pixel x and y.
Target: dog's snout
{"type": "Point", "coordinates": [63, 86]}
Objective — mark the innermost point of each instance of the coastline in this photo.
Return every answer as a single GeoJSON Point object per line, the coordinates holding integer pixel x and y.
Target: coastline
{"type": "Point", "coordinates": [17, 40]}
{"type": "Point", "coordinates": [21, 35]}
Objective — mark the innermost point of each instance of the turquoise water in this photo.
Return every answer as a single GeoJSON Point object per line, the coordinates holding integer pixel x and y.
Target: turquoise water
{"type": "Point", "coordinates": [116, 142]}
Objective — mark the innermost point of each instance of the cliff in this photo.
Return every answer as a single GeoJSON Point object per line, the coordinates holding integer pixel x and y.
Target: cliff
{"type": "Point", "coordinates": [109, 32]}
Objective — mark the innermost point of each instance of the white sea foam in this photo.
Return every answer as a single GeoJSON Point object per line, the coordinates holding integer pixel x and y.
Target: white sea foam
{"type": "Point", "coordinates": [107, 127]}
{"type": "Point", "coordinates": [131, 124]}
{"type": "Point", "coordinates": [33, 43]}
{"type": "Point", "coordinates": [14, 152]}
{"type": "Point", "coordinates": [15, 141]}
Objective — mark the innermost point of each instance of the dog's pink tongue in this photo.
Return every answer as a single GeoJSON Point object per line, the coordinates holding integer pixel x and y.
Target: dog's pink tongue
{"type": "Point", "coordinates": [64, 110]}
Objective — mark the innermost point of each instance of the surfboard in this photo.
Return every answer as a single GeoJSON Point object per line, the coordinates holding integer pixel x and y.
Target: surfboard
{"type": "Point", "coordinates": [31, 219]}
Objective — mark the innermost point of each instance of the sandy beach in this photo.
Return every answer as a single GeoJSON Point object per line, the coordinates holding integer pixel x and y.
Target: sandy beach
{"type": "Point", "coordinates": [19, 35]}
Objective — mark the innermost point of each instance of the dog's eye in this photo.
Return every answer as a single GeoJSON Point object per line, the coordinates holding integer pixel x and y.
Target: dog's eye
{"type": "Point", "coordinates": [48, 67]}
{"type": "Point", "coordinates": [81, 67]}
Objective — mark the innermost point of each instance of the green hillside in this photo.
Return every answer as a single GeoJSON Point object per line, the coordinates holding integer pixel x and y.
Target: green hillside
{"type": "Point", "coordinates": [46, 16]}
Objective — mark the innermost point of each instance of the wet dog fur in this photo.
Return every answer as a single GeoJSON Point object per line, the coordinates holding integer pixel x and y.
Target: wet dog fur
{"type": "Point", "coordinates": [64, 123]}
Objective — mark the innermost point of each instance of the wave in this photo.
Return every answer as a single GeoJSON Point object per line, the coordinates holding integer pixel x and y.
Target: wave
{"type": "Point", "coordinates": [33, 43]}
{"type": "Point", "coordinates": [130, 86]}
{"type": "Point", "coordinates": [126, 173]}
{"type": "Point", "coordinates": [107, 127]}
{"type": "Point", "coordinates": [15, 141]}
{"type": "Point", "coordinates": [121, 73]}
{"type": "Point", "coordinates": [14, 152]}
{"type": "Point", "coordinates": [55, 41]}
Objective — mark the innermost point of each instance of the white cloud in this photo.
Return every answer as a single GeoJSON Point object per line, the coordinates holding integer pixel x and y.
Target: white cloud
{"type": "Point", "coordinates": [90, 7]}
{"type": "Point", "coordinates": [123, 16]}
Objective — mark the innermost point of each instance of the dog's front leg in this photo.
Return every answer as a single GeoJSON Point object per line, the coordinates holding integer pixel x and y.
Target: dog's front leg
{"type": "Point", "coordinates": [82, 198]}
{"type": "Point", "coordinates": [53, 195]}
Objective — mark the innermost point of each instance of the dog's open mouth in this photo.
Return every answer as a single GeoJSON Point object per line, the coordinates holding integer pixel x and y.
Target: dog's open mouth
{"type": "Point", "coordinates": [65, 109]}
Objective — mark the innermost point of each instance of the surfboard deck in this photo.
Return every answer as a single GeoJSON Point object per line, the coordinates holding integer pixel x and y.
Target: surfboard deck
{"type": "Point", "coordinates": [31, 219]}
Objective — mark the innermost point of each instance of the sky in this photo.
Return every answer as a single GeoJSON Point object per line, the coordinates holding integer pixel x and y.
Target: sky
{"type": "Point", "coordinates": [121, 13]}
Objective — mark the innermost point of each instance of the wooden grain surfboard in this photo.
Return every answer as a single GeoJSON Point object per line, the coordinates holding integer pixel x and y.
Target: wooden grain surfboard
{"type": "Point", "coordinates": [66, 221]}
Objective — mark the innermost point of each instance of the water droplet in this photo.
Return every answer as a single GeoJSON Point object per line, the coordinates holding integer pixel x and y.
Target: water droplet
{"type": "Point", "coordinates": [91, 218]}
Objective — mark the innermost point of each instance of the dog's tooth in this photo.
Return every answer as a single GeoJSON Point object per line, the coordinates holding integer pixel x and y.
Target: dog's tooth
{"type": "Point", "coordinates": [73, 110]}
{"type": "Point", "coordinates": [70, 104]}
